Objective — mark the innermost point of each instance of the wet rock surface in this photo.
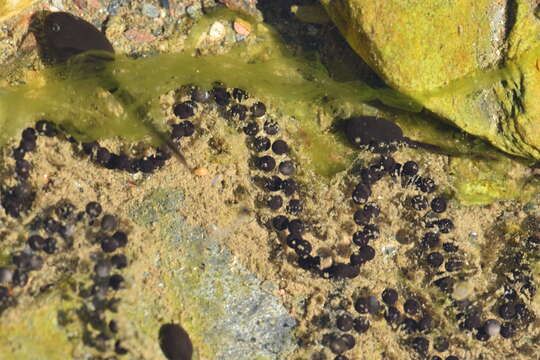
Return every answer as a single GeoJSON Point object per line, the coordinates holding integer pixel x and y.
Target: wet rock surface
{"type": "Point", "coordinates": [472, 63]}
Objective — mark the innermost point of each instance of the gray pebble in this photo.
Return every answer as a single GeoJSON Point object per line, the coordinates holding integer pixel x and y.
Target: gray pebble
{"type": "Point", "coordinates": [103, 268]}
{"type": "Point", "coordinates": [6, 275]}
{"type": "Point", "coordinates": [36, 262]}
{"type": "Point", "coordinates": [113, 7]}
{"type": "Point", "coordinates": [194, 11]}
{"type": "Point", "coordinates": [150, 10]}
{"type": "Point", "coordinates": [492, 327]}
{"type": "Point", "coordinates": [286, 168]}
{"type": "Point", "coordinates": [108, 223]}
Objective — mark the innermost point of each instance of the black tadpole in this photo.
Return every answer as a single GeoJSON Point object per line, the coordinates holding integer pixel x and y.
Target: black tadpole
{"type": "Point", "coordinates": [66, 35]}
{"type": "Point", "coordinates": [380, 135]}
{"type": "Point", "coordinates": [175, 343]}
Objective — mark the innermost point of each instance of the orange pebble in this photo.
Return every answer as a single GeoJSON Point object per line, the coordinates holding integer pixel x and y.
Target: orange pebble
{"type": "Point", "coordinates": [200, 171]}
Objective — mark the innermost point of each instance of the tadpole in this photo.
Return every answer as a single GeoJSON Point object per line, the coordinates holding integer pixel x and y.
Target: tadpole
{"type": "Point", "coordinates": [68, 39]}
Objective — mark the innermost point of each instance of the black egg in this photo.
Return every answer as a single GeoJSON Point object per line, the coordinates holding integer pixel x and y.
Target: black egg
{"type": "Point", "coordinates": [251, 129]}
{"type": "Point", "coordinates": [419, 202]}
{"type": "Point", "coordinates": [435, 259]}
{"type": "Point", "coordinates": [199, 95]}
{"type": "Point", "coordinates": [294, 207]}
{"type": "Point", "coordinates": [258, 109]}
{"type": "Point", "coordinates": [261, 144]}
{"type": "Point", "coordinates": [280, 147]}
{"type": "Point", "coordinates": [221, 96]}
{"type": "Point", "coordinates": [280, 222]}
{"type": "Point", "coordinates": [239, 94]}
{"type": "Point", "coordinates": [183, 129]}
{"type": "Point", "coordinates": [389, 296]}
{"type": "Point", "coordinates": [238, 111]}
{"type": "Point", "coordinates": [438, 204]}
{"type": "Point", "coordinates": [409, 168]}
{"type": "Point", "coordinates": [184, 109]}
{"type": "Point", "coordinates": [265, 163]}
{"type": "Point", "coordinates": [275, 202]}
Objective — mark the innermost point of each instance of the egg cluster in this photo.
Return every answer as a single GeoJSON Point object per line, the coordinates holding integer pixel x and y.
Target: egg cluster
{"type": "Point", "coordinates": [51, 237]}
{"type": "Point", "coordinates": [274, 172]}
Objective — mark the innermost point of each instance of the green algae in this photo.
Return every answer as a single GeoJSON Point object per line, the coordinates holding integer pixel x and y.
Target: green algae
{"type": "Point", "coordinates": [31, 336]}
{"type": "Point", "coordinates": [266, 69]}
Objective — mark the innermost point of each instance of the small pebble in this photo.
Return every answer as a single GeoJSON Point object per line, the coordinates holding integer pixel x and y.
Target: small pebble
{"type": "Point", "coordinates": [199, 95]}
{"type": "Point", "coordinates": [116, 281]}
{"type": "Point", "coordinates": [221, 95]}
{"type": "Point", "coordinates": [289, 187]}
{"type": "Point", "coordinates": [441, 344]}
{"type": "Point", "coordinates": [36, 242]}
{"type": "Point", "coordinates": [200, 171]}
{"type": "Point", "coordinates": [508, 330]}
{"type": "Point", "coordinates": [426, 185]}
{"type": "Point", "coordinates": [108, 223]}
{"type": "Point", "coordinates": [361, 193]}
{"type": "Point", "coordinates": [435, 259]}
{"type": "Point", "coordinates": [420, 345]}
{"type": "Point", "coordinates": [507, 311]}
{"type": "Point", "coordinates": [6, 275]}
{"type": "Point", "coordinates": [150, 10]}
{"type": "Point", "coordinates": [103, 268]}
{"type": "Point", "coordinates": [183, 129]}
{"type": "Point", "coordinates": [121, 238]}
{"type": "Point", "coordinates": [273, 183]}
{"type": "Point", "coordinates": [238, 111]}
{"type": "Point", "coordinates": [344, 322]}
{"type": "Point", "coordinates": [46, 128]}
{"type": "Point", "coordinates": [287, 168]}
{"type": "Point", "coordinates": [296, 226]}
{"type": "Point", "coordinates": [392, 315]}
{"type": "Point", "coordinates": [50, 246]}
{"type": "Point", "coordinates": [280, 222]}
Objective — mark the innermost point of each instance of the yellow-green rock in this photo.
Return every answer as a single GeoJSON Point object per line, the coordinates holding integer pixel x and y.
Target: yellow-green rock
{"type": "Point", "coordinates": [471, 62]}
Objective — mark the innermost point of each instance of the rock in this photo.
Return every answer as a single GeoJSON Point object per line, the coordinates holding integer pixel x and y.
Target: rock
{"type": "Point", "coordinates": [447, 57]}
{"type": "Point", "coordinates": [248, 7]}
{"type": "Point", "coordinates": [139, 36]}
{"type": "Point", "coordinates": [216, 32]}
{"type": "Point", "coordinates": [150, 10]}
{"type": "Point", "coordinates": [222, 304]}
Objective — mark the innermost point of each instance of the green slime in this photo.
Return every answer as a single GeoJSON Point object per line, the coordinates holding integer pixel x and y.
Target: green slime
{"type": "Point", "coordinates": [76, 99]}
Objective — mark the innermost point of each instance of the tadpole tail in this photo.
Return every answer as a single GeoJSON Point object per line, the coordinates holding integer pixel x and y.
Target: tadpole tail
{"type": "Point", "coordinates": [141, 112]}
{"type": "Point", "coordinates": [165, 140]}
{"type": "Point", "coordinates": [441, 151]}
{"type": "Point", "coordinates": [425, 146]}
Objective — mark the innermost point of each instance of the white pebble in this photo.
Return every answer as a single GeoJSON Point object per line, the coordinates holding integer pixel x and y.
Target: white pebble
{"type": "Point", "coordinates": [217, 31]}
